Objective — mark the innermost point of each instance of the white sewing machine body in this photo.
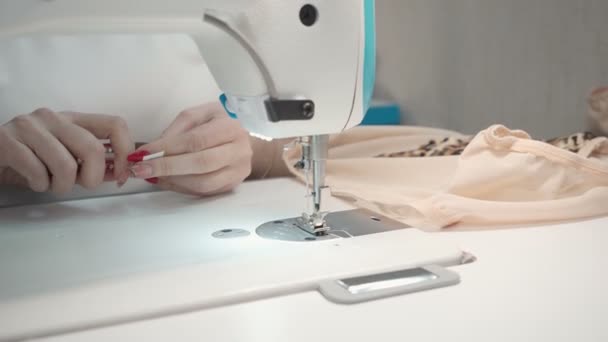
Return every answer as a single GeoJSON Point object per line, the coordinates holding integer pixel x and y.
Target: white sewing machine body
{"type": "Point", "coordinates": [260, 52]}
{"type": "Point", "coordinates": [83, 264]}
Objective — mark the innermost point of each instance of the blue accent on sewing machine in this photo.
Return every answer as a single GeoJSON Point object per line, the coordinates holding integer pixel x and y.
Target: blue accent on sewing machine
{"type": "Point", "coordinates": [369, 57]}
{"type": "Point", "coordinates": [382, 113]}
{"type": "Point", "coordinates": [223, 100]}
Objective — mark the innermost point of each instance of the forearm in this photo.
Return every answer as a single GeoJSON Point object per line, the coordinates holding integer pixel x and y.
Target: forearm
{"type": "Point", "coordinates": [267, 160]}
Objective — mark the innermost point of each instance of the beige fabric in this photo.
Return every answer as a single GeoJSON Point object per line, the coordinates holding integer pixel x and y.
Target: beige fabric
{"type": "Point", "coordinates": [503, 177]}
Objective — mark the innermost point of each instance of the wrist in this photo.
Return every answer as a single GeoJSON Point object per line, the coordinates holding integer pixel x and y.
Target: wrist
{"type": "Point", "coordinates": [267, 161]}
{"type": "Point", "coordinates": [260, 161]}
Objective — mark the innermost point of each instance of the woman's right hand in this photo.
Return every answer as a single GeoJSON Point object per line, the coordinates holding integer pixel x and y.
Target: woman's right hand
{"type": "Point", "coordinates": [53, 151]}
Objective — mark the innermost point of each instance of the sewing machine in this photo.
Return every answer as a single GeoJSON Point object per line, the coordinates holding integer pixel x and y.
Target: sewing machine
{"type": "Point", "coordinates": [287, 69]}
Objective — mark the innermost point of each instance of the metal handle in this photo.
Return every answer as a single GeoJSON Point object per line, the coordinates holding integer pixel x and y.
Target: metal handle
{"type": "Point", "coordinates": [381, 285]}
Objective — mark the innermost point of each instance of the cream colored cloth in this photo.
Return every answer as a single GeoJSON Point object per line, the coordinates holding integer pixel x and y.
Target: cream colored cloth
{"type": "Point", "coordinates": [503, 177]}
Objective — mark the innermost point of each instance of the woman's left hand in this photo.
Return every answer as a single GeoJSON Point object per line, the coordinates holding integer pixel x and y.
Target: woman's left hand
{"type": "Point", "coordinates": [206, 152]}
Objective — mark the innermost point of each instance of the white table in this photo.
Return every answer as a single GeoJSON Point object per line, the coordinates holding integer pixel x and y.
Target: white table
{"type": "Point", "coordinates": [545, 283]}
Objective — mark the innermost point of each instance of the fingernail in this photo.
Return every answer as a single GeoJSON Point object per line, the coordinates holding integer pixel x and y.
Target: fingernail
{"type": "Point", "coordinates": [142, 170]}
{"type": "Point", "coordinates": [152, 180]}
{"type": "Point", "coordinates": [123, 178]}
{"type": "Point", "coordinates": [137, 156]}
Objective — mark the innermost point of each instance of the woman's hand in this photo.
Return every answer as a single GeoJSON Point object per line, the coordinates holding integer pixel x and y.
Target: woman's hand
{"type": "Point", "coordinates": [206, 152]}
{"type": "Point", "coordinates": [48, 150]}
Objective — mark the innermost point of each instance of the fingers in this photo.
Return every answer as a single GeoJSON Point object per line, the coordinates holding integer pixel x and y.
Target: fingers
{"type": "Point", "coordinates": [113, 128]}
{"type": "Point", "coordinates": [201, 162]}
{"type": "Point", "coordinates": [193, 117]}
{"type": "Point", "coordinates": [56, 150]}
{"type": "Point", "coordinates": [215, 132]}
{"type": "Point", "coordinates": [58, 160]}
{"type": "Point", "coordinates": [205, 185]}
{"type": "Point", "coordinates": [205, 152]}
{"type": "Point", "coordinates": [8, 176]}
{"type": "Point", "coordinates": [23, 161]}
{"type": "Point", "coordinates": [88, 149]}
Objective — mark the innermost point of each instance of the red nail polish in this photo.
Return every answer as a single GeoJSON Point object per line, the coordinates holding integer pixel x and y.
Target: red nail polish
{"type": "Point", "coordinates": [137, 156]}
{"type": "Point", "coordinates": [152, 180]}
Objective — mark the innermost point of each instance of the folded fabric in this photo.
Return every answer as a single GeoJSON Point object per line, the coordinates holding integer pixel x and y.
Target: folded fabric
{"type": "Point", "coordinates": [499, 177]}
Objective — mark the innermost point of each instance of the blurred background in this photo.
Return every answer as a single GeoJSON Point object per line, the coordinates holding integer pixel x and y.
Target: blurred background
{"type": "Point", "coordinates": [467, 64]}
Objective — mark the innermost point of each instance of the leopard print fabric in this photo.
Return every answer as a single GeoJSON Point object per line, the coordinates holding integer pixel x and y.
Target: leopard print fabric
{"type": "Point", "coordinates": [454, 146]}
{"type": "Point", "coordinates": [573, 142]}
{"type": "Point", "coordinates": [446, 147]}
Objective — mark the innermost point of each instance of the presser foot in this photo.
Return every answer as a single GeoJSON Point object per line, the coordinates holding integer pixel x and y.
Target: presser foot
{"type": "Point", "coordinates": [314, 223]}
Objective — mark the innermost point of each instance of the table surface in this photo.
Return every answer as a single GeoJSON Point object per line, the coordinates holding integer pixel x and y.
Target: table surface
{"type": "Point", "coordinates": [542, 283]}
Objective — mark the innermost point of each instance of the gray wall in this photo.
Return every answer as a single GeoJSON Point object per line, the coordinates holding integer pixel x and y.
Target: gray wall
{"type": "Point", "coordinates": [466, 64]}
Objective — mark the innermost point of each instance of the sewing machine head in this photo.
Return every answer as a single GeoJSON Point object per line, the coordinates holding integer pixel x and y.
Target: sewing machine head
{"type": "Point", "coordinates": [313, 76]}
{"type": "Point", "coordinates": [287, 69]}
